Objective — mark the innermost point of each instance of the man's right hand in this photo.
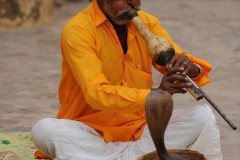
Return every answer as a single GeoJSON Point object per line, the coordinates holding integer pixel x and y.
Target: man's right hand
{"type": "Point", "coordinates": [174, 82]}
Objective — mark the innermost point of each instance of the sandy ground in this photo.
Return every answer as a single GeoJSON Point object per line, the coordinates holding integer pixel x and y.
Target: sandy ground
{"type": "Point", "coordinates": [210, 29]}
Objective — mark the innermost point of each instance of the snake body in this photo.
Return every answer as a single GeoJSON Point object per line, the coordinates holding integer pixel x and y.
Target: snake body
{"type": "Point", "coordinates": [158, 108]}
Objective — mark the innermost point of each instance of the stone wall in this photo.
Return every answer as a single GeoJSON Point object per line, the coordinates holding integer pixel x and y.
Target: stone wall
{"type": "Point", "coordinates": [15, 13]}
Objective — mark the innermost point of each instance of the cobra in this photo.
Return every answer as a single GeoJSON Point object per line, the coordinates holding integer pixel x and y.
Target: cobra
{"type": "Point", "coordinates": [158, 108]}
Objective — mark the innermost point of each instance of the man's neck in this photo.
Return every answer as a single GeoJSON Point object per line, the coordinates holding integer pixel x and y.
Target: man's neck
{"type": "Point", "coordinates": [121, 31]}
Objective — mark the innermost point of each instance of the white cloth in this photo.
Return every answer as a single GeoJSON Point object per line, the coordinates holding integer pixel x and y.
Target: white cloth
{"type": "Point", "coordinates": [71, 140]}
{"type": "Point", "coordinates": [211, 135]}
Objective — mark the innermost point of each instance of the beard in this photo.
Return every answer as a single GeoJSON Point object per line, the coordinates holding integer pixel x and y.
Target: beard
{"type": "Point", "coordinates": [119, 20]}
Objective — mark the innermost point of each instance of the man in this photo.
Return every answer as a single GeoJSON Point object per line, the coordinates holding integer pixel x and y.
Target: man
{"type": "Point", "coordinates": [106, 77]}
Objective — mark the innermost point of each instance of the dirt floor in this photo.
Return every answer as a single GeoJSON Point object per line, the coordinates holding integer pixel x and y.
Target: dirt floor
{"type": "Point", "coordinates": [30, 62]}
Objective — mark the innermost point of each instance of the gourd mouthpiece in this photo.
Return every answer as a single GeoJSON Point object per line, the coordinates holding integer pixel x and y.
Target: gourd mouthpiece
{"type": "Point", "coordinates": [132, 13]}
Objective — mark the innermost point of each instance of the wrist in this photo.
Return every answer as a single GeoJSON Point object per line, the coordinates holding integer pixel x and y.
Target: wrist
{"type": "Point", "coordinates": [195, 71]}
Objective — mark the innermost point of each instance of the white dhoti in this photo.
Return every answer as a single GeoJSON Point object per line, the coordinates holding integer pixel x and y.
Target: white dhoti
{"type": "Point", "coordinates": [193, 128]}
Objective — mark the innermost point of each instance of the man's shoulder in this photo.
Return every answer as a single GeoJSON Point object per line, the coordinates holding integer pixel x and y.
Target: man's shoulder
{"type": "Point", "coordinates": [83, 19]}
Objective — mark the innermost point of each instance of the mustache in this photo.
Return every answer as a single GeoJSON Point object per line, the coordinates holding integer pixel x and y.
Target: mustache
{"type": "Point", "coordinates": [126, 9]}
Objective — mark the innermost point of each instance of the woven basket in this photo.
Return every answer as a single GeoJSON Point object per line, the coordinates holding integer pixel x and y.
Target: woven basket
{"type": "Point", "coordinates": [181, 154]}
{"type": "Point", "coordinates": [9, 156]}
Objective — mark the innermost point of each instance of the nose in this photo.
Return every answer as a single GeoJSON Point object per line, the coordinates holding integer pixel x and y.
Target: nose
{"type": "Point", "coordinates": [134, 2]}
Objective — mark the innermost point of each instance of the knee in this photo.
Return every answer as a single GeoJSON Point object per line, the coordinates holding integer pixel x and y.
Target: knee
{"type": "Point", "coordinates": [201, 113]}
{"type": "Point", "coordinates": [42, 130]}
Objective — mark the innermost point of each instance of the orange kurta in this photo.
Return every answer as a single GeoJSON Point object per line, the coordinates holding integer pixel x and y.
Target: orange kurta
{"type": "Point", "coordinates": [102, 87]}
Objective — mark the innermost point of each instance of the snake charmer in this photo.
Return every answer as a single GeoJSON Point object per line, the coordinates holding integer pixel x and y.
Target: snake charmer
{"type": "Point", "coordinates": [105, 83]}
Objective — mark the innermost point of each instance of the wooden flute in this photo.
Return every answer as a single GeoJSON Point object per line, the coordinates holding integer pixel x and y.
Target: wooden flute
{"type": "Point", "coordinates": [161, 52]}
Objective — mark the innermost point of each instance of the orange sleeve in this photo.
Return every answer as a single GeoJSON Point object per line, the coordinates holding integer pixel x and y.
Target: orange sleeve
{"type": "Point", "coordinates": [202, 78]}
{"type": "Point", "coordinates": [78, 47]}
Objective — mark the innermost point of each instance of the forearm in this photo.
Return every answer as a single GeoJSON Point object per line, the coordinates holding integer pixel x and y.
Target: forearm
{"type": "Point", "coordinates": [102, 96]}
{"type": "Point", "coordinates": [200, 78]}
{"type": "Point", "coordinates": [203, 68]}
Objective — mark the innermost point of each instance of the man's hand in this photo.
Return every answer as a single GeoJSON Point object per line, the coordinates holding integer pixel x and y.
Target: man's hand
{"type": "Point", "coordinates": [174, 81]}
{"type": "Point", "coordinates": [183, 61]}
